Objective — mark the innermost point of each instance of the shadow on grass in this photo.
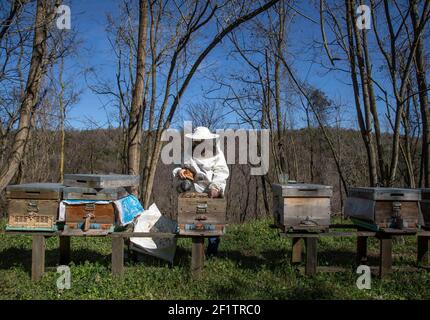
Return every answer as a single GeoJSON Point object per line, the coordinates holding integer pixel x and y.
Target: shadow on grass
{"type": "Point", "coordinates": [318, 291]}
{"type": "Point", "coordinates": [274, 259]}
{"type": "Point", "coordinates": [342, 258]}
{"type": "Point", "coordinates": [182, 258]}
{"type": "Point", "coordinates": [80, 256]}
{"type": "Point", "coordinates": [270, 259]}
{"type": "Point", "coordinates": [234, 288]}
{"type": "Point", "coordinates": [21, 258]}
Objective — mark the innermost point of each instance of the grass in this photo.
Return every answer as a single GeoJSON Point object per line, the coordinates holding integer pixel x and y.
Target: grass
{"type": "Point", "coordinates": [253, 264]}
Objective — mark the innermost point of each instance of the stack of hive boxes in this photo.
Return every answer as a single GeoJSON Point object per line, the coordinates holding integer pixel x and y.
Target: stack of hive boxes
{"type": "Point", "coordinates": [85, 202]}
{"type": "Point", "coordinates": [33, 206]}
{"type": "Point", "coordinates": [200, 215]}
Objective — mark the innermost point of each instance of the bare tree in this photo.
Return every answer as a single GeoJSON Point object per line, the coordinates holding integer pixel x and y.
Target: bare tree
{"type": "Point", "coordinates": [399, 72]}
{"type": "Point", "coordinates": [45, 12]}
{"type": "Point", "coordinates": [199, 16]}
{"type": "Point", "coordinates": [137, 107]}
{"type": "Point", "coordinates": [15, 8]}
{"type": "Point", "coordinates": [210, 115]}
{"type": "Point", "coordinates": [397, 60]}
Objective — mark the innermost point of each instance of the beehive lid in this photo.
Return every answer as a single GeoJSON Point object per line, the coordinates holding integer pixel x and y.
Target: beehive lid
{"type": "Point", "coordinates": [82, 193]}
{"type": "Point", "coordinates": [43, 191]}
{"type": "Point", "coordinates": [393, 194]}
{"type": "Point", "coordinates": [100, 181]}
{"type": "Point", "coordinates": [303, 190]}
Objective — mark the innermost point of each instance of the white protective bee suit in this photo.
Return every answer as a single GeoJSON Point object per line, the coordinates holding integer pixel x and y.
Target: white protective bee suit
{"type": "Point", "coordinates": [210, 171]}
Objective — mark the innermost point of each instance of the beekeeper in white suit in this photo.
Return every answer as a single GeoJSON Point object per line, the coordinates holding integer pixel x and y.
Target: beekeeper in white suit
{"type": "Point", "coordinates": [207, 164]}
{"type": "Point", "coordinates": [205, 171]}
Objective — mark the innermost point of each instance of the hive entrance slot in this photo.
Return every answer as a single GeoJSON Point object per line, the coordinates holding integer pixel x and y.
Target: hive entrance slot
{"type": "Point", "coordinates": [397, 194]}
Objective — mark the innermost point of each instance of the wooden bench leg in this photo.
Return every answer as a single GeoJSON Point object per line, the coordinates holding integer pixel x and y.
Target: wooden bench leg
{"type": "Point", "coordinates": [64, 250]}
{"type": "Point", "coordinates": [197, 256]}
{"type": "Point", "coordinates": [385, 255]}
{"type": "Point", "coordinates": [311, 256]}
{"type": "Point", "coordinates": [423, 250]}
{"type": "Point", "coordinates": [117, 256]}
{"type": "Point", "coordinates": [38, 257]}
{"type": "Point", "coordinates": [296, 254]}
{"type": "Point", "coordinates": [361, 250]}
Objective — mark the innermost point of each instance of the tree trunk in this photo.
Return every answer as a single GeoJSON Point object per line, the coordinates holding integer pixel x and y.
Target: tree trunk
{"type": "Point", "coordinates": [44, 16]}
{"type": "Point", "coordinates": [279, 127]}
{"type": "Point", "coordinates": [137, 107]}
{"type": "Point", "coordinates": [365, 93]}
{"type": "Point", "coordinates": [149, 141]}
{"type": "Point", "coordinates": [406, 149]}
{"type": "Point", "coordinates": [364, 126]}
{"type": "Point", "coordinates": [151, 172]}
{"type": "Point", "coordinates": [373, 108]}
{"type": "Point", "coordinates": [62, 120]}
{"type": "Point", "coordinates": [424, 102]}
{"type": "Point", "coordinates": [311, 147]}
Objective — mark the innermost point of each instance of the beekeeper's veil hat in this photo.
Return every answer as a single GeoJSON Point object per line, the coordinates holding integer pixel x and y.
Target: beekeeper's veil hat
{"type": "Point", "coordinates": [202, 133]}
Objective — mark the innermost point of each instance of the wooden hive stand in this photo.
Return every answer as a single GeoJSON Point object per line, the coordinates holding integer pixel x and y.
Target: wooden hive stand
{"type": "Point", "coordinates": [117, 256]}
{"type": "Point", "coordinates": [385, 247]}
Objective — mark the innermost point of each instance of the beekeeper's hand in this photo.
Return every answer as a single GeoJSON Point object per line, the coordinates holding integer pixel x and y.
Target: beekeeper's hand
{"type": "Point", "coordinates": [213, 193]}
{"type": "Point", "coordinates": [181, 174]}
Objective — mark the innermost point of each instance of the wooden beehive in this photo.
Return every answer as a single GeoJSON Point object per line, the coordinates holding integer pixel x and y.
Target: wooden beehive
{"type": "Point", "coordinates": [100, 181]}
{"type": "Point", "coordinates": [385, 208]}
{"type": "Point", "coordinates": [425, 206]}
{"type": "Point", "coordinates": [33, 207]}
{"type": "Point", "coordinates": [89, 208]}
{"type": "Point", "coordinates": [298, 207]}
{"type": "Point", "coordinates": [90, 216]}
{"type": "Point", "coordinates": [199, 214]}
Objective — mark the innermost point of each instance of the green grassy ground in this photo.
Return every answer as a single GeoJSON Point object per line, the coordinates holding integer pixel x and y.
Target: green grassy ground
{"type": "Point", "coordinates": [253, 264]}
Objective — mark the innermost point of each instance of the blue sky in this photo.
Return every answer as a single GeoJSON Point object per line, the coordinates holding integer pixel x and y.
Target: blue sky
{"type": "Point", "coordinates": [89, 20]}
